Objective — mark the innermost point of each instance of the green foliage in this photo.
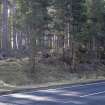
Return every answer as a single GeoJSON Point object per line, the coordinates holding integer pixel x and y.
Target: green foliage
{"type": "Point", "coordinates": [79, 10]}
{"type": "Point", "coordinates": [93, 26]}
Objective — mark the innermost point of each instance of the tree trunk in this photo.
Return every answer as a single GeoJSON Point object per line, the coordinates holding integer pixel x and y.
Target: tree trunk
{"type": "Point", "coordinates": [14, 25]}
{"type": "Point", "coordinates": [5, 35]}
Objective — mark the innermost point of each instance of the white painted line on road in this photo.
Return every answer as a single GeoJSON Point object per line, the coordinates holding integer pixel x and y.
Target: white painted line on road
{"type": "Point", "coordinates": [65, 102]}
{"type": "Point", "coordinates": [89, 84]}
{"type": "Point", "coordinates": [55, 89]}
{"type": "Point", "coordinates": [70, 87]}
{"type": "Point", "coordinates": [92, 94]}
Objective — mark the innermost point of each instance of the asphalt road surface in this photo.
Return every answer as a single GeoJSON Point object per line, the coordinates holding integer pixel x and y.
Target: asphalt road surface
{"type": "Point", "coordinates": [79, 94]}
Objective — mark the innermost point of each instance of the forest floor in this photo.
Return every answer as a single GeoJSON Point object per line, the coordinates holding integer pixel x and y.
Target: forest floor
{"type": "Point", "coordinates": [14, 74]}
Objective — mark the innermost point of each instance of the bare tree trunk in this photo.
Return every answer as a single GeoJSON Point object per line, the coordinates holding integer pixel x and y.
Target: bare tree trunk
{"type": "Point", "coordinates": [5, 35]}
{"type": "Point", "coordinates": [14, 24]}
{"type": "Point", "coordinates": [63, 49]}
{"type": "Point", "coordinates": [19, 40]}
{"type": "Point", "coordinates": [94, 49]}
{"type": "Point", "coordinates": [33, 51]}
{"type": "Point", "coordinates": [0, 23]}
{"type": "Point", "coordinates": [73, 56]}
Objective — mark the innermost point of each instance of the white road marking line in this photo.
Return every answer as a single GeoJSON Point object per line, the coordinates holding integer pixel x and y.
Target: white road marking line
{"type": "Point", "coordinates": [70, 87]}
{"type": "Point", "coordinates": [92, 94]}
{"type": "Point", "coordinates": [82, 85]}
{"type": "Point", "coordinates": [74, 102]}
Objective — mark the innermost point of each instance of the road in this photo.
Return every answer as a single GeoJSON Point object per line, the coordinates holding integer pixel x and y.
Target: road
{"type": "Point", "coordinates": [78, 94]}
